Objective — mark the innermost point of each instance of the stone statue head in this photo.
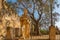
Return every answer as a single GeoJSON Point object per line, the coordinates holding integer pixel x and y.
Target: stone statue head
{"type": "Point", "coordinates": [25, 11]}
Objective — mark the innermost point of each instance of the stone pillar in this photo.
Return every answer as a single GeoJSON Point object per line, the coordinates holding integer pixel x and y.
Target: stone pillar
{"type": "Point", "coordinates": [52, 33]}
{"type": "Point", "coordinates": [1, 4]}
{"type": "Point", "coordinates": [8, 34]}
{"type": "Point", "coordinates": [16, 32]}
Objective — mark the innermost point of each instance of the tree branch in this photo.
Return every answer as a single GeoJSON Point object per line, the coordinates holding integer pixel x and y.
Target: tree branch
{"type": "Point", "coordinates": [39, 15]}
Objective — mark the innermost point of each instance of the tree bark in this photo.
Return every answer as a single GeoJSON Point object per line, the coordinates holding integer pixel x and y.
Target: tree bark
{"type": "Point", "coordinates": [36, 29]}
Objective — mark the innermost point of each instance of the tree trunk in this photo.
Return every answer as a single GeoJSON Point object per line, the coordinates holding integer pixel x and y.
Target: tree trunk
{"type": "Point", "coordinates": [36, 29]}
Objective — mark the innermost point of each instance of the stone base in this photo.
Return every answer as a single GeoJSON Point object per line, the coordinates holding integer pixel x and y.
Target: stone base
{"type": "Point", "coordinates": [52, 33]}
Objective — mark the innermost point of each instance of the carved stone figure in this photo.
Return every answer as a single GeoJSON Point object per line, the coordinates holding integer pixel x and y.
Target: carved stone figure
{"type": "Point", "coordinates": [25, 24]}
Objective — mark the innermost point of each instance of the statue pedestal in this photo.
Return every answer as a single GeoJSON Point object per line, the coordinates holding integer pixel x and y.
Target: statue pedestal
{"type": "Point", "coordinates": [52, 33]}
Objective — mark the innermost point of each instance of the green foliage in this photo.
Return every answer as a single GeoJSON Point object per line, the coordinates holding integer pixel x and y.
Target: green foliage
{"type": "Point", "coordinates": [40, 1]}
{"type": "Point", "coordinates": [43, 31]}
{"type": "Point", "coordinates": [19, 0]}
{"type": "Point", "coordinates": [51, 1]}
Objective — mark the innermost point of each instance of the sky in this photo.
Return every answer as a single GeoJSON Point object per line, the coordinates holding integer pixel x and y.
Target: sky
{"type": "Point", "coordinates": [56, 10]}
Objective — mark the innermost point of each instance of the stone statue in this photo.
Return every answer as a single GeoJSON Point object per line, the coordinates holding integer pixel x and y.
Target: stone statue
{"type": "Point", "coordinates": [25, 24]}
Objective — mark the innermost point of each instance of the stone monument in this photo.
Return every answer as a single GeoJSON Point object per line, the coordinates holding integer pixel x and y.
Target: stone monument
{"type": "Point", "coordinates": [25, 24]}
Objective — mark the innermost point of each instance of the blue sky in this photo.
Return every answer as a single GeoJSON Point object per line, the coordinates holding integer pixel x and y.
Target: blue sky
{"type": "Point", "coordinates": [12, 1]}
{"type": "Point", "coordinates": [56, 9]}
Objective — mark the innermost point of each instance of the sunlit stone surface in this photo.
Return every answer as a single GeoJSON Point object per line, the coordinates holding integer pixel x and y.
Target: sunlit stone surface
{"type": "Point", "coordinates": [12, 25]}
{"type": "Point", "coordinates": [25, 24]}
